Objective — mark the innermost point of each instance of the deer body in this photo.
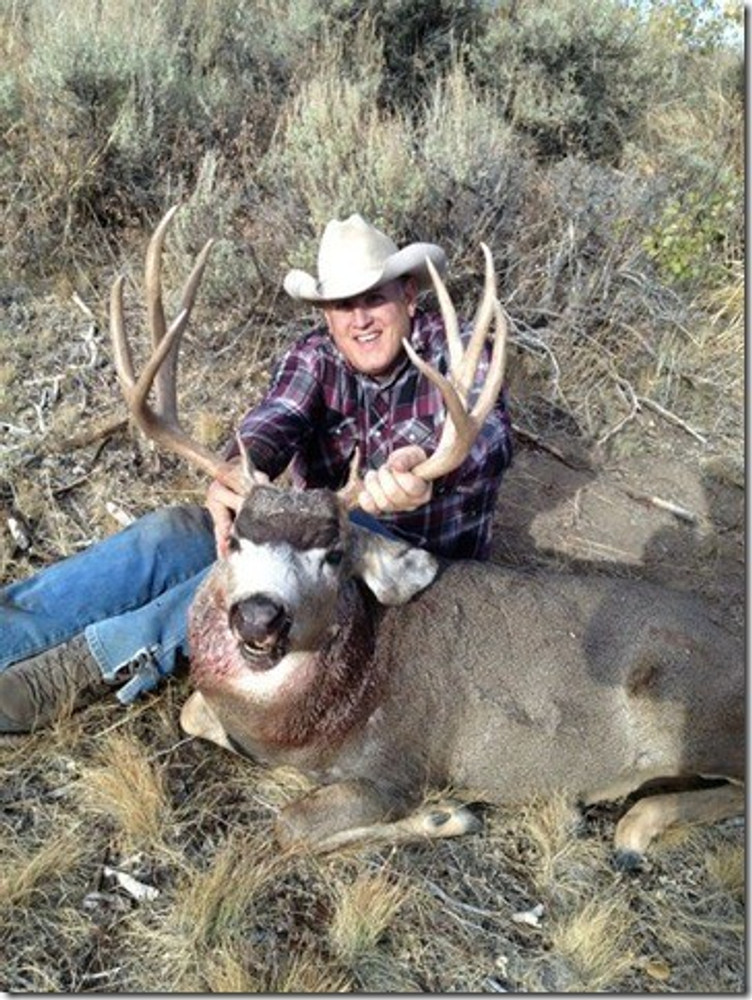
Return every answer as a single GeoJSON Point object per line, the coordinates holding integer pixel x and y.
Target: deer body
{"type": "Point", "coordinates": [502, 681]}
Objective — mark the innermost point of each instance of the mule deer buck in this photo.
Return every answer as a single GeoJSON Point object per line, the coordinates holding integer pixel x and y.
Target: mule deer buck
{"type": "Point", "coordinates": [381, 672]}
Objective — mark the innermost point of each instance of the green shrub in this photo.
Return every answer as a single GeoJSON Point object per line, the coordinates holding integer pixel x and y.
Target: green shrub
{"type": "Point", "coordinates": [575, 76]}
{"type": "Point", "coordinates": [110, 107]}
{"type": "Point", "coordinates": [698, 235]}
{"type": "Point", "coordinates": [337, 152]}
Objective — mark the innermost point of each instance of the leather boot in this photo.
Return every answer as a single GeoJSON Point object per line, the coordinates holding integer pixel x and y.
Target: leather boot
{"type": "Point", "coordinates": [38, 690]}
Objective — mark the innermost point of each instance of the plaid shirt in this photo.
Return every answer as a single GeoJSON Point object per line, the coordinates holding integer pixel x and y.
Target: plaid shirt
{"type": "Point", "coordinates": [318, 409]}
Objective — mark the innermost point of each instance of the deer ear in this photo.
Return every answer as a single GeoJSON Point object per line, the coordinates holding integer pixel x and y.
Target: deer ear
{"type": "Point", "coordinates": [197, 719]}
{"type": "Point", "coordinates": [394, 571]}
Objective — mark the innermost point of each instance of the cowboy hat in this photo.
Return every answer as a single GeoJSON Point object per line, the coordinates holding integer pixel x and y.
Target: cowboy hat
{"type": "Point", "coordinates": [355, 256]}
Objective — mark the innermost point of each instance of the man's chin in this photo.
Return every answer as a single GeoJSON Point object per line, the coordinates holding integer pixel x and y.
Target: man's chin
{"type": "Point", "coordinates": [378, 366]}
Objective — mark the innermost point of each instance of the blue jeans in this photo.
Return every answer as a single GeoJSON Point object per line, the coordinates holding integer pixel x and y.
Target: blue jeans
{"type": "Point", "coordinates": [129, 594]}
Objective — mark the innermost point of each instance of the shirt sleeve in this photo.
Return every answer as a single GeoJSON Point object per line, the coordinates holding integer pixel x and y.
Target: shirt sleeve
{"type": "Point", "coordinates": [278, 427]}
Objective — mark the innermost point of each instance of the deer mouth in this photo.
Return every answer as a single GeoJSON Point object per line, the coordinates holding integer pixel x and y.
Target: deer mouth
{"type": "Point", "coordinates": [261, 626]}
{"type": "Point", "coordinates": [265, 653]}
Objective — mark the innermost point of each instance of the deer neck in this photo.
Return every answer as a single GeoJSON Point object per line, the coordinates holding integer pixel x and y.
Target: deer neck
{"type": "Point", "coordinates": [311, 698]}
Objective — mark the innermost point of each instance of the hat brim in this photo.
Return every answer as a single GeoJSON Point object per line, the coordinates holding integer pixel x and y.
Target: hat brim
{"type": "Point", "coordinates": [411, 260]}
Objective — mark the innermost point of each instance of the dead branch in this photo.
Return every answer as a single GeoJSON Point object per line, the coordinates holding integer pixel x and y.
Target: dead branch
{"type": "Point", "coordinates": [87, 437]}
{"type": "Point", "coordinates": [636, 403]}
{"type": "Point", "coordinates": [634, 410]}
{"type": "Point", "coordinates": [668, 505]}
{"type": "Point", "coordinates": [538, 442]}
{"type": "Point", "coordinates": [671, 417]}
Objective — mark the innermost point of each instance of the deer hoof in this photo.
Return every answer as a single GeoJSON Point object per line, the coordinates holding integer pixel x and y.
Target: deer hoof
{"type": "Point", "coordinates": [625, 860]}
{"type": "Point", "coordinates": [451, 821]}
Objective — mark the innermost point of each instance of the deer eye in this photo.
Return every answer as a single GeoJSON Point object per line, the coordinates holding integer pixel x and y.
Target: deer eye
{"type": "Point", "coordinates": [334, 557]}
{"type": "Point", "coordinates": [233, 543]}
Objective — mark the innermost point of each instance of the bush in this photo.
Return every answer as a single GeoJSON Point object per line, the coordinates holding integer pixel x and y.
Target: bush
{"type": "Point", "coordinates": [108, 108]}
{"type": "Point", "coordinates": [575, 76]}
{"type": "Point", "coordinates": [337, 152]}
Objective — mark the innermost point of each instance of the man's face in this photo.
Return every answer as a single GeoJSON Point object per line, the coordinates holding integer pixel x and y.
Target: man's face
{"type": "Point", "coordinates": [368, 328]}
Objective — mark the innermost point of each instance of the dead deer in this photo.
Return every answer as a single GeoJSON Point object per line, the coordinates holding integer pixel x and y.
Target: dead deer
{"type": "Point", "coordinates": [381, 672]}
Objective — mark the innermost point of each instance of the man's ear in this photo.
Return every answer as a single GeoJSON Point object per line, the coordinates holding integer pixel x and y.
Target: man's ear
{"type": "Point", "coordinates": [393, 570]}
{"type": "Point", "coordinates": [411, 295]}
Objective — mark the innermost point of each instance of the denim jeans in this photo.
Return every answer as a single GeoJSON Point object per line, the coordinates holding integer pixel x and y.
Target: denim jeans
{"type": "Point", "coordinates": [129, 594]}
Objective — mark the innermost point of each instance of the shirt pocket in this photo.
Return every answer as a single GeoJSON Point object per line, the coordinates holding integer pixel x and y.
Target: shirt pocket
{"type": "Point", "coordinates": [341, 437]}
{"type": "Point", "coordinates": [417, 431]}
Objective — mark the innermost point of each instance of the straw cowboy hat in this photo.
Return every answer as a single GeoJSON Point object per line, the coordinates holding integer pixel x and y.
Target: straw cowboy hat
{"type": "Point", "coordinates": [355, 256]}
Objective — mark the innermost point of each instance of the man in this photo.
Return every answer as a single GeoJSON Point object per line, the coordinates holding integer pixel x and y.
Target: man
{"type": "Point", "coordinates": [115, 615]}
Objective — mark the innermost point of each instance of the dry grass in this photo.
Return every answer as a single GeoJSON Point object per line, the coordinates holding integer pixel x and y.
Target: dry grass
{"type": "Point", "coordinates": [26, 871]}
{"type": "Point", "coordinates": [114, 790]}
{"type": "Point", "coordinates": [233, 914]}
{"type": "Point", "coordinates": [364, 910]}
{"type": "Point", "coordinates": [124, 787]}
{"type": "Point", "coordinates": [596, 943]}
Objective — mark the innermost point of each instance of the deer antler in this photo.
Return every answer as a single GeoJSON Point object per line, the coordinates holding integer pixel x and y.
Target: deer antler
{"type": "Point", "coordinates": [160, 423]}
{"type": "Point", "coordinates": [461, 427]}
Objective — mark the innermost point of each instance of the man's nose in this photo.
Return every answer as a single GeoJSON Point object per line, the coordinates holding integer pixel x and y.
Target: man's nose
{"type": "Point", "coordinates": [361, 317]}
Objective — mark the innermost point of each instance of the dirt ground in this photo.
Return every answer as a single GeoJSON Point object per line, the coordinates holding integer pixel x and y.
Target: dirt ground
{"type": "Point", "coordinates": [662, 510]}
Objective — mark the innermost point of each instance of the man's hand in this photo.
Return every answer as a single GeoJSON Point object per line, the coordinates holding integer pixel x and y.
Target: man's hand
{"type": "Point", "coordinates": [225, 497]}
{"type": "Point", "coordinates": [394, 487]}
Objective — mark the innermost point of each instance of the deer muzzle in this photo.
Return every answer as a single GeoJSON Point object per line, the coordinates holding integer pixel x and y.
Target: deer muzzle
{"type": "Point", "coordinates": [261, 624]}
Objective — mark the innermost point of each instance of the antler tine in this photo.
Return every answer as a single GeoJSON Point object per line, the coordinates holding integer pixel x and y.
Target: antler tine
{"type": "Point", "coordinates": [461, 428]}
{"type": "Point", "coordinates": [348, 493]}
{"type": "Point", "coordinates": [160, 424]}
{"type": "Point", "coordinates": [496, 369]}
{"type": "Point", "coordinates": [121, 347]}
{"type": "Point", "coordinates": [166, 380]}
{"type": "Point", "coordinates": [449, 315]}
{"type": "Point", "coordinates": [485, 314]}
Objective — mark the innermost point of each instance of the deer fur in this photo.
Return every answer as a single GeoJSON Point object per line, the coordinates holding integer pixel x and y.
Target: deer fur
{"type": "Point", "coordinates": [389, 673]}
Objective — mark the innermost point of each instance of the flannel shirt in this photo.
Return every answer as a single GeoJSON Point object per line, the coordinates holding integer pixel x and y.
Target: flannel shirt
{"type": "Point", "coordinates": [318, 409]}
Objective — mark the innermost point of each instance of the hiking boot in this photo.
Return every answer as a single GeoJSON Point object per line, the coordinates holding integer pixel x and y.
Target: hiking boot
{"type": "Point", "coordinates": [42, 688]}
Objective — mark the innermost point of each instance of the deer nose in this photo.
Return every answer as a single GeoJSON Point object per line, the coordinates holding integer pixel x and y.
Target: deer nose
{"type": "Point", "coordinates": [258, 619]}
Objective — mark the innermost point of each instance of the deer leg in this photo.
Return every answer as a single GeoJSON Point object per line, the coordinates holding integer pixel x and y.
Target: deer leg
{"type": "Point", "coordinates": [619, 788]}
{"type": "Point", "coordinates": [650, 816]}
{"type": "Point", "coordinates": [357, 812]}
{"type": "Point", "coordinates": [442, 819]}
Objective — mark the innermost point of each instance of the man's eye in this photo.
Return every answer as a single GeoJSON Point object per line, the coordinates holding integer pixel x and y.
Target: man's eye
{"type": "Point", "coordinates": [334, 558]}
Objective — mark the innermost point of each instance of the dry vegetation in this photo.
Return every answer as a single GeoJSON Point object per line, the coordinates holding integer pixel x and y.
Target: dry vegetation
{"type": "Point", "coordinates": [599, 154]}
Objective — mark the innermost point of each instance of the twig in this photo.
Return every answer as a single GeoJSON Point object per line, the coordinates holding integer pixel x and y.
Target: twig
{"type": "Point", "coordinates": [58, 491]}
{"type": "Point", "coordinates": [77, 300]}
{"type": "Point", "coordinates": [437, 891]}
{"type": "Point", "coordinates": [634, 410]}
{"type": "Point", "coordinates": [671, 417]}
{"type": "Point", "coordinates": [636, 402]}
{"type": "Point", "coordinates": [14, 428]}
{"type": "Point", "coordinates": [673, 508]}
{"type": "Point", "coordinates": [538, 441]}
{"type": "Point", "coordinates": [88, 437]}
